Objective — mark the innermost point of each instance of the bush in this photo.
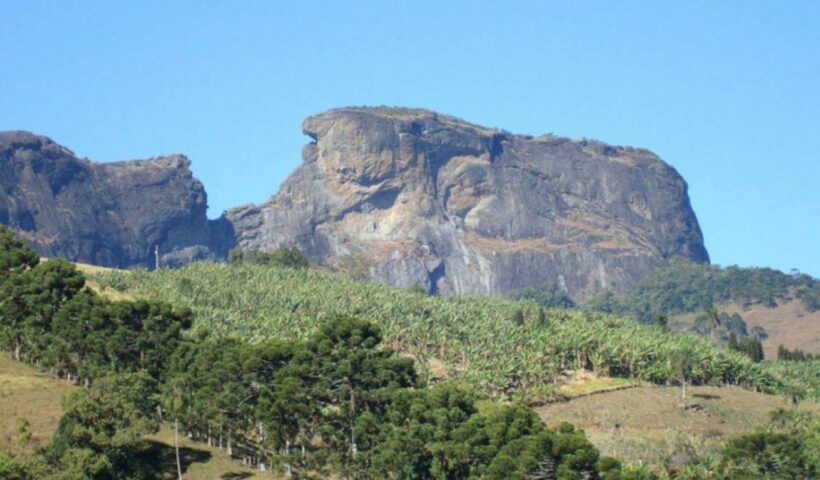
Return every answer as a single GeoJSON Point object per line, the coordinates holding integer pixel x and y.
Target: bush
{"type": "Point", "coordinates": [548, 295]}
{"type": "Point", "coordinates": [281, 257]}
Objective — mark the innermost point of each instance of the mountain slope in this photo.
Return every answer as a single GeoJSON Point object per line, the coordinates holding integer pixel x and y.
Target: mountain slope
{"type": "Point", "coordinates": [783, 305]}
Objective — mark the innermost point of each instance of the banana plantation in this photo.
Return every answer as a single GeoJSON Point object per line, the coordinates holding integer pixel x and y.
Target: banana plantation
{"type": "Point", "coordinates": [507, 349]}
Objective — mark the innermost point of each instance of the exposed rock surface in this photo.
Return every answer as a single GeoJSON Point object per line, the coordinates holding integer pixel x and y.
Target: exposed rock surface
{"type": "Point", "coordinates": [107, 214]}
{"type": "Point", "coordinates": [411, 197]}
{"type": "Point", "coordinates": [402, 196]}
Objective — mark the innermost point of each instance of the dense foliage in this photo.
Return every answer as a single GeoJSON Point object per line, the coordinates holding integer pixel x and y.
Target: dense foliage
{"type": "Point", "coordinates": [680, 286]}
{"type": "Point", "coordinates": [49, 318]}
{"type": "Point", "coordinates": [788, 449]}
{"type": "Point", "coordinates": [504, 348]}
{"type": "Point", "coordinates": [548, 295]}
{"type": "Point", "coordinates": [281, 257]}
{"type": "Point", "coordinates": [335, 402]}
{"type": "Point", "coordinates": [750, 346]}
{"type": "Point", "coordinates": [796, 355]}
{"type": "Point", "coordinates": [801, 378]}
{"type": "Point", "coordinates": [323, 395]}
{"type": "Point", "coordinates": [100, 435]}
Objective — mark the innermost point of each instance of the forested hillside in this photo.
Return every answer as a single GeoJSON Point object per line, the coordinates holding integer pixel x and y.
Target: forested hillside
{"type": "Point", "coordinates": [335, 403]}
{"type": "Point", "coordinates": [311, 376]}
{"type": "Point", "coordinates": [505, 348]}
{"type": "Point", "coordinates": [758, 305]}
{"type": "Point", "coordinates": [679, 286]}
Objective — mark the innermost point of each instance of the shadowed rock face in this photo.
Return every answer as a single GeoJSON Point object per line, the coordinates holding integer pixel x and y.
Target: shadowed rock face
{"type": "Point", "coordinates": [410, 197]}
{"type": "Point", "coordinates": [106, 214]}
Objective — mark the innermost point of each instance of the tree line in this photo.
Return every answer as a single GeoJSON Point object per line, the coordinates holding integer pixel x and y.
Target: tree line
{"type": "Point", "coordinates": [795, 355]}
{"type": "Point", "coordinates": [680, 286]}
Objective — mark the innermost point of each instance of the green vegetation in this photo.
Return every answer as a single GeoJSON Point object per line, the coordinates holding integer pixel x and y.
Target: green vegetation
{"type": "Point", "coordinates": [795, 355]}
{"type": "Point", "coordinates": [504, 348]}
{"type": "Point", "coordinates": [30, 396]}
{"type": "Point", "coordinates": [788, 449]}
{"type": "Point", "coordinates": [750, 346]}
{"type": "Point", "coordinates": [101, 434]}
{"type": "Point", "coordinates": [281, 257]}
{"type": "Point", "coordinates": [720, 325]}
{"type": "Point", "coordinates": [301, 380]}
{"type": "Point", "coordinates": [802, 378]}
{"type": "Point", "coordinates": [810, 296]}
{"type": "Point", "coordinates": [335, 402]}
{"type": "Point", "coordinates": [679, 286]}
{"type": "Point", "coordinates": [548, 295]}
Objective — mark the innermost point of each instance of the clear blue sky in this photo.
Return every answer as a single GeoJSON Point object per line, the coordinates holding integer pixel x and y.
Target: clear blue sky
{"type": "Point", "coordinates": [727, 92]}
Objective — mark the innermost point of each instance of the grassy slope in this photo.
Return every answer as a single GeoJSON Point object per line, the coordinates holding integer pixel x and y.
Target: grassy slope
{"type": "Point", "coordinates": [27, 393]}
{"type": "Point", "coordinates": [789, 324]}
{"type": "Point", "coordinates": [683, 290]}
{"type": "Point", "coordinates": [650, 424]}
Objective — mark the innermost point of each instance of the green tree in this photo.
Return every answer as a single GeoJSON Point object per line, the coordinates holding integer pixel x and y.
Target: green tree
{"type": "Point", "coordinates": [11, 469]}
{"type": "Point", "coordinates": [281, 257]}
{"type": "Point", "coordinates": [102, 428]}
{"type": "Point", "coordinates": [682, 363]}
{"type": "Point", "coordinates": [348, 371]}
{"type": "Point", "coordinates": [548, 295]}
{"type": "Point", "coordinates": [15, 256]}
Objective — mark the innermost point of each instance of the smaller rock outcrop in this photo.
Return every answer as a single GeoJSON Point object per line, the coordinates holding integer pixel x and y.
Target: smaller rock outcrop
{"type": "Point", "coordinates": [111, 214]}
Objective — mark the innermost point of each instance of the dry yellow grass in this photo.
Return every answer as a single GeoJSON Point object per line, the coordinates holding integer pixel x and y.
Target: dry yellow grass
{"type": "Point", "coordinates": [28, 394]}
{"type": "Point", "coordinates": [107, 293]}
{"type": "Point", "coordinates": [36, 397]}
{"type": "Point", "coordinates": [652, 424]}
{"type": "Point", "coordinates": [591, 384]}
{"type": "Point", "coordinates": [788, 324]}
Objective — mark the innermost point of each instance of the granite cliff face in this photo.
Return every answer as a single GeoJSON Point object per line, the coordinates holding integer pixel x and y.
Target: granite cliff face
{"type": "Point", "coordinates": [411, 197]}
{"type": "Point", "coordinates": [109, 214]}
{"type": "Point", "coordinates": [402, 196]}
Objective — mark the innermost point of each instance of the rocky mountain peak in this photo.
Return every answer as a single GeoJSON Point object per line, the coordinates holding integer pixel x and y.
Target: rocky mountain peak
{"type": "Point", "coordinates": [402, 196]}
{"type": "Point", "coordinates": [110, 214]}
{"type": "Point", "coordinates": [412, 197]}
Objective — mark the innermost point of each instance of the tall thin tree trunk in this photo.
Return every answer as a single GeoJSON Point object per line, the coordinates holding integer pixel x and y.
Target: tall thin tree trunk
{"type": "Point", "coordinates": [288, 468]}
{"type": "Point", "coordinates": [176, 447]}
{"type": "Point", "coordinates": [353, 446]}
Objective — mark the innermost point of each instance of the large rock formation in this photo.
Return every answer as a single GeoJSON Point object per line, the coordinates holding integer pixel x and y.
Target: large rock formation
{"type": "Point", "coordinates": [406, 197]}
{"type": "Point", "coordinates": [411, 197]}
{"type": "Point", "coordinates": [107, 214]}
